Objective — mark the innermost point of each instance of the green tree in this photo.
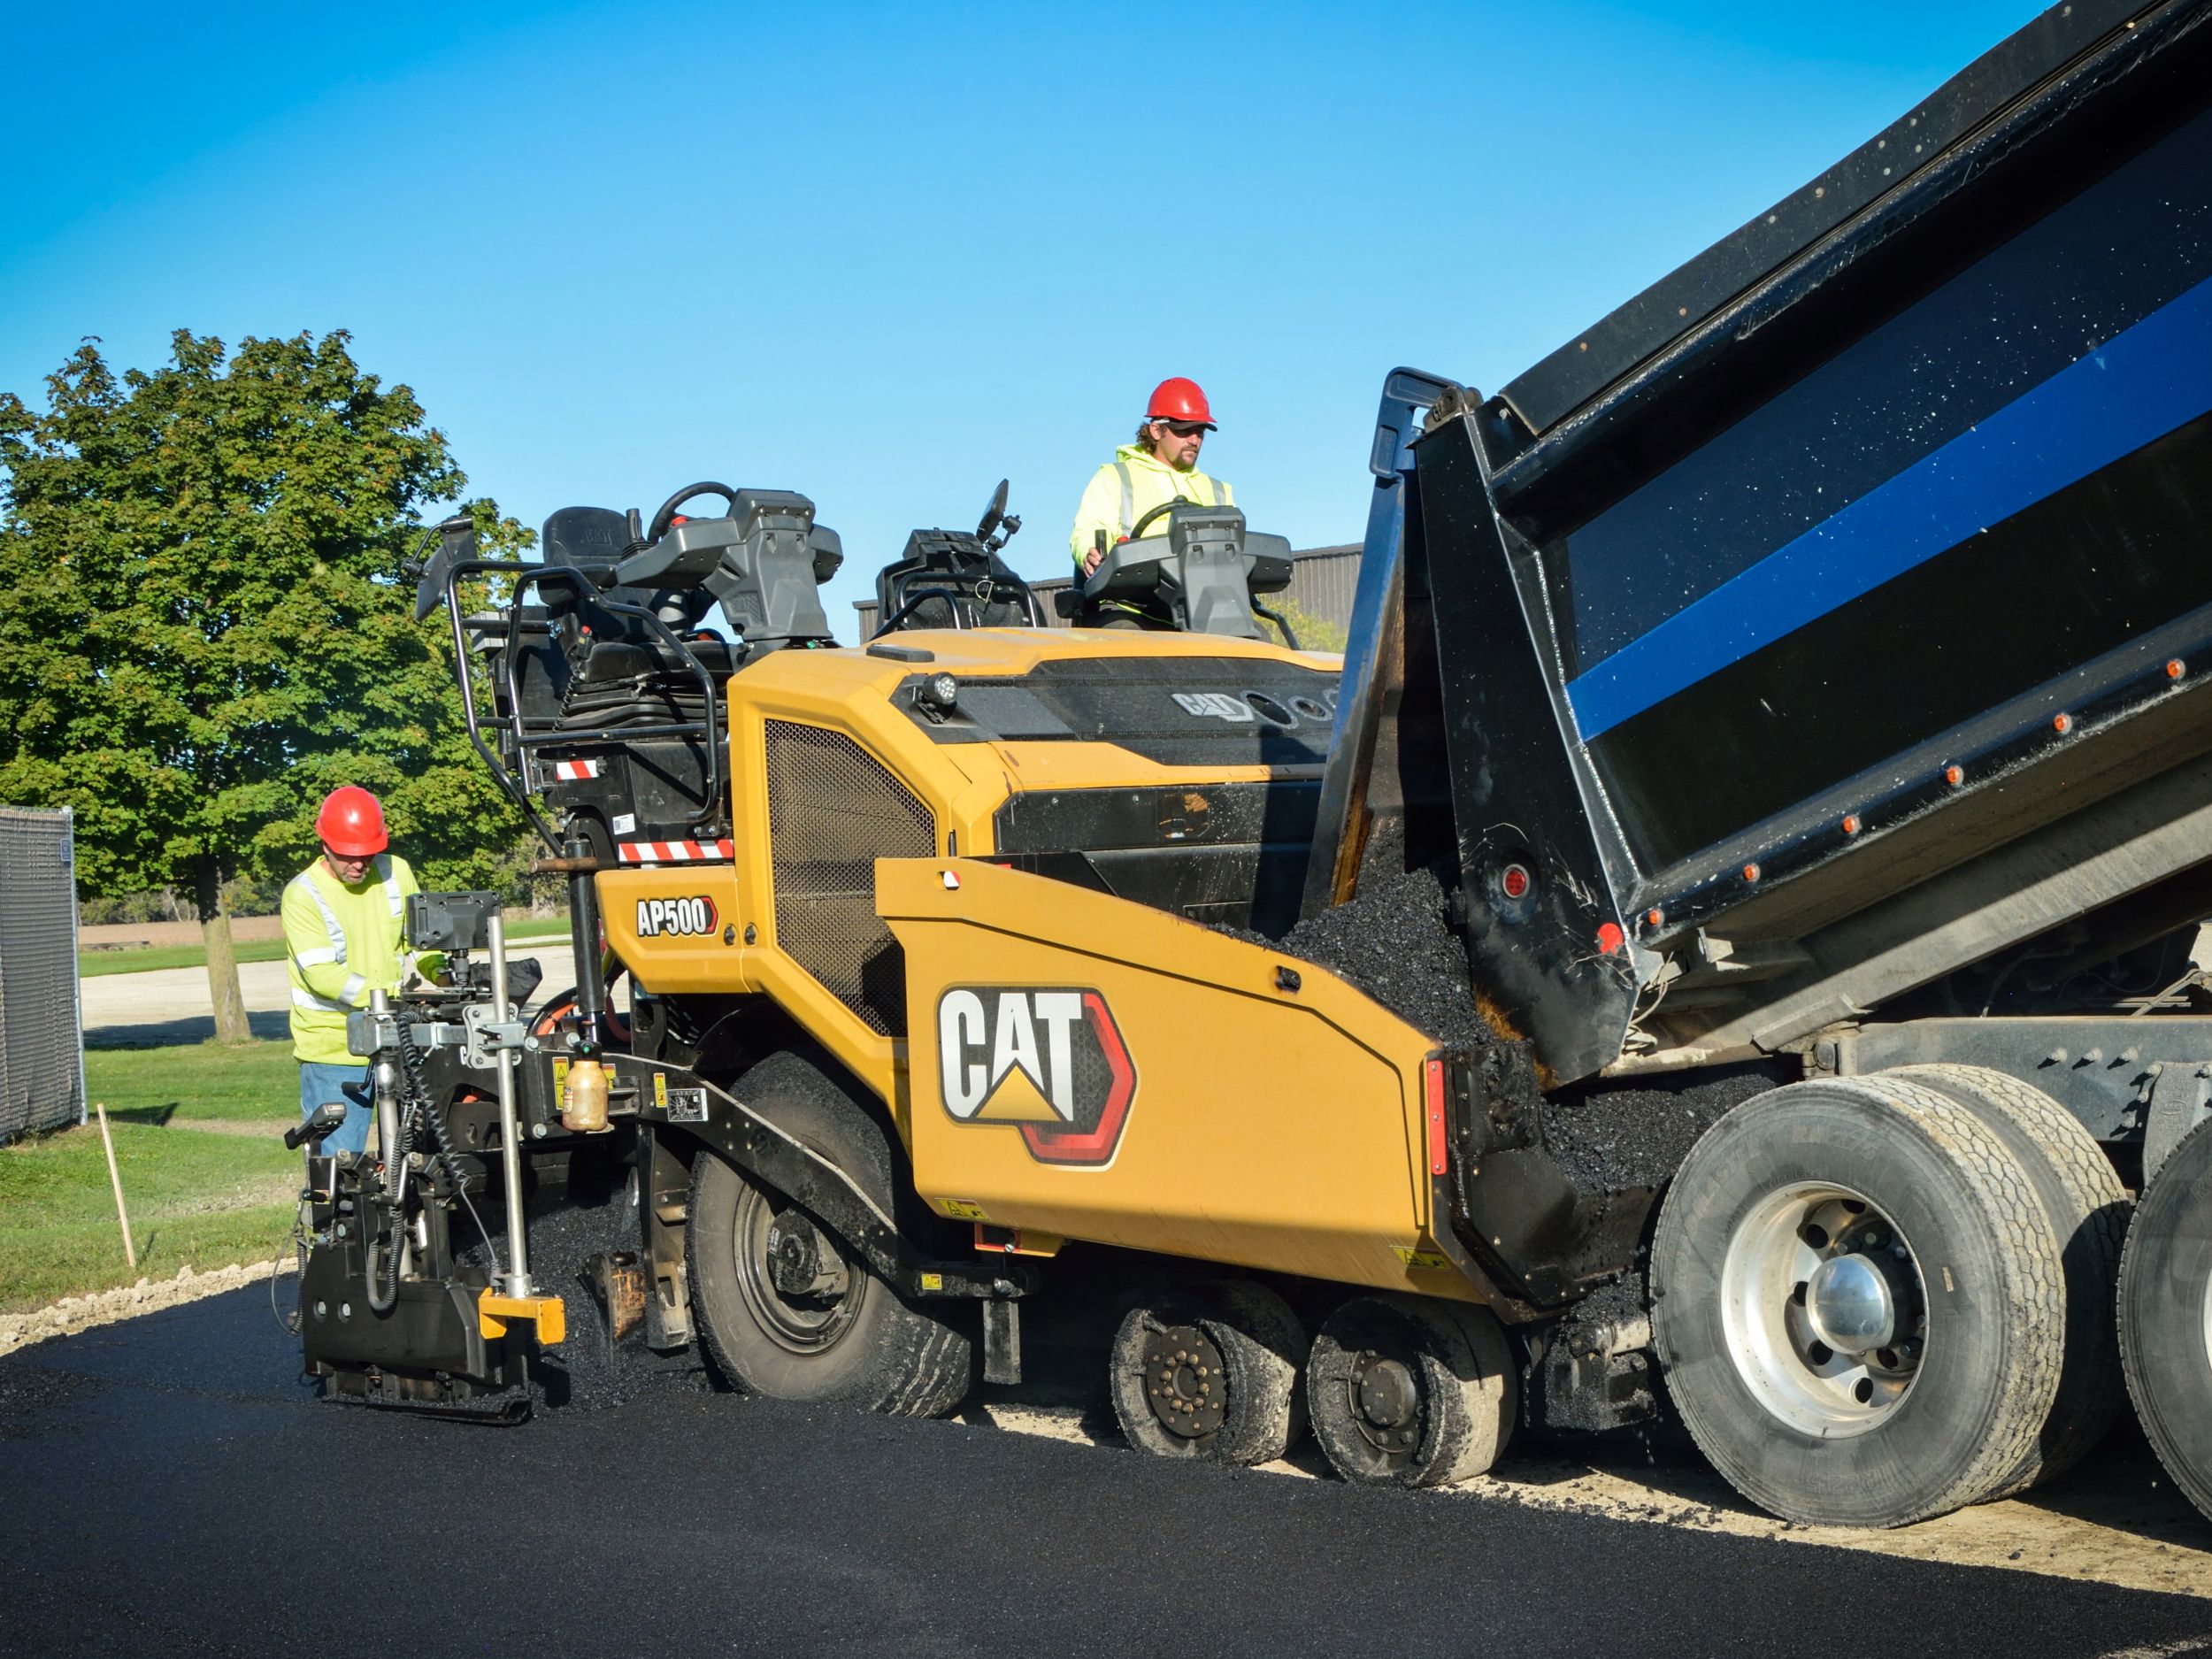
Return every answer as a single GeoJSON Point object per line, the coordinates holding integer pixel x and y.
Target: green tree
{"type": "Point", "coordinates": [1315, 633]}
{"type": "Point", "coordinates": [205, 626]}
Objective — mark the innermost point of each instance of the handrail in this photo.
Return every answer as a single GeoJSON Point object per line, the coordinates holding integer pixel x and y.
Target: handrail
{"type": "Point", "coordinates": [952, 603]}
{"type": "Point", "coordinates": [955, 599]}
{"type": "Point", "coordinates": [514, 730]}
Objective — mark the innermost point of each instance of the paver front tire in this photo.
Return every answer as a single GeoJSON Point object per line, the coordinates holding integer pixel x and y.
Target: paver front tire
{"type": "Point", "coordinates": [2166, 1315]}
{"type": "Point", "coordinates": [1858, 1303]}
{"type": "Point", "coordinates": [2088, 1208]}
{"type": "Point", "coordinates": [1410, 1391]}
{"type": "Point", "coordinates": [850, 1338]}
{"type": "Point", "coordinates": [1210, 1373]}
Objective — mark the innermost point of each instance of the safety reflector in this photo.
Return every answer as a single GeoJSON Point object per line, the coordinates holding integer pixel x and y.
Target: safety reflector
{"type": "Point", "coordinates": [1433, 1081]}
{"type": "Point", "coordinates": [674, 852]}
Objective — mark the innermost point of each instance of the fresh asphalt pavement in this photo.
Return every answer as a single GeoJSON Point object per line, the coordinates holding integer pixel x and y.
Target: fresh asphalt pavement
{"type": "Point", "coordinates": [167, 1485]}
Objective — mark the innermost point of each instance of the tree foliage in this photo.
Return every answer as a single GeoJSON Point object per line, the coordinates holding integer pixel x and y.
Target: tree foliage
{"type": "Point", "coordinates": [203, 622]}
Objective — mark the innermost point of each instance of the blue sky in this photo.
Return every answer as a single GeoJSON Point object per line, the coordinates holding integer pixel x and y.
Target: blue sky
{"type": "Point", "coordinates": [886, 255]}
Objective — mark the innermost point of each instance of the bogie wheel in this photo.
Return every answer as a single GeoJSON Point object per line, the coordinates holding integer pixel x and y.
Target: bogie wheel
{"type": "Point", "coordinates": [2166, 1315]}
{"type": "Point", "coordinates": [1210, 1373]}
{"type": "Point", "coordinates": [2088, 1208]}
{"type": "Point", "coordinates": [785, 1308]}
{"type": "Point", "coordinates": [1858, 1303]}
{"type": "Point", "coordinates": [1408, 1391]}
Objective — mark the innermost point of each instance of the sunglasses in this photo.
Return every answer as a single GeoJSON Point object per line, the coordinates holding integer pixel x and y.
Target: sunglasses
{"type": "Point", "coordinates": [1187, 428]}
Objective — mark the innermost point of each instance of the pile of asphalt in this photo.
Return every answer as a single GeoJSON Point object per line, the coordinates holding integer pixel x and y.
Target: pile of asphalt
{"type": "Point", "coordinates": [1616, 1137]}
{"type": "Point", "coordinates": [588, 1370]}
{"type": "Point", "coordinates": [1395, 942]}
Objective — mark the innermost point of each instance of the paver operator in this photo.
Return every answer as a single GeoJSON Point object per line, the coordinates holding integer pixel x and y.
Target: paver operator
{"type": "Point", "coordinates": [342, 940]}
{"type": "Point", "coordinates": [1160, 467]}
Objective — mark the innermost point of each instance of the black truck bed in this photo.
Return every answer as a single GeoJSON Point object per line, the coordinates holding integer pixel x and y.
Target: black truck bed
{"type": "Point", "coordinates": [1853, 622]}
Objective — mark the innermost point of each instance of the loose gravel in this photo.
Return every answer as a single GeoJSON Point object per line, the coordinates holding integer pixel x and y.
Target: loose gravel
{"type": "Point", "coordinates": [72, 1314]}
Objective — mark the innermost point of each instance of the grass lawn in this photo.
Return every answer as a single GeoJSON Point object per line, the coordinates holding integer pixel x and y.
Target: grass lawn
{"type": "Point", "coordinates": [205, 1183]}
{"type": "Point", "coordinates": [92, 964]}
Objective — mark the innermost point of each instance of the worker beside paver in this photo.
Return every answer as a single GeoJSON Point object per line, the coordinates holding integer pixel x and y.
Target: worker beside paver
{"type": "Point", "coordinates": [1161, 466]}
{"type": "Point", "coordinates": [342, 938]}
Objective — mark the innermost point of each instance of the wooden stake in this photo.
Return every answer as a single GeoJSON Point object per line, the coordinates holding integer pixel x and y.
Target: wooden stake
{"type": "Point", "coordinates": [115, 1179]}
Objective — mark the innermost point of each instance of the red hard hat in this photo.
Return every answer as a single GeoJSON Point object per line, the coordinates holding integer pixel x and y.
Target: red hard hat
{"type": "Point", "coordinates": [352, 822]}
{"type": "Point", "coordinates": [1179, 399]}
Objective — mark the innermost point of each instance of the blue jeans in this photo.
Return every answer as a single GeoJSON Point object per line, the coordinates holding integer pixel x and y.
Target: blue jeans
{"type": "Point", "coordinates": [321, 1081]}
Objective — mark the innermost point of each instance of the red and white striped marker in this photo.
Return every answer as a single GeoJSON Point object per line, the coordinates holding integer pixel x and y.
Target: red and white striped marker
{"type": "Point", "coordinates": [574, 771]}
{"type": "Point", "coordinates": [675, 852]}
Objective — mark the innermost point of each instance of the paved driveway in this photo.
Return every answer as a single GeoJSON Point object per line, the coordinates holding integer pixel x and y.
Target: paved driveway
{"type": "Point", "coordinates": [137, 1010]}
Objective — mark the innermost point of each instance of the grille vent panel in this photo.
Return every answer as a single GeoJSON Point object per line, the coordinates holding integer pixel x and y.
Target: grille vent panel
{"type": "Point", "coordinates": [832, 810]}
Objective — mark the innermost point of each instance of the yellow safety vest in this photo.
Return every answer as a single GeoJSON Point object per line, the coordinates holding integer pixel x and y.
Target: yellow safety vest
{"type": "Point", "coordinates": [1129, 486]}
{"type": "Point", "coordinates": [341, 943]}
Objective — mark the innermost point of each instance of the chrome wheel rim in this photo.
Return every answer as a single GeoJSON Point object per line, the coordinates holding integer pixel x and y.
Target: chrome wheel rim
{"type": "Point", "coordinates": [2205, 1319]}
{"type": "Point", "coordinates": [1825, 1311]}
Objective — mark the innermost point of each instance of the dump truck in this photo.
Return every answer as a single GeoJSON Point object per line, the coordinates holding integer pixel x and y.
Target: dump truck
{"type": "Point", "coordinates": [1722, 937]}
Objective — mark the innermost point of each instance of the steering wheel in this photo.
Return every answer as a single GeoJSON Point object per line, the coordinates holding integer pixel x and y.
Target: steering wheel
{"type": "Point", "coordinates": [667, 513]}
{"type": "Point", "coordinates": [1137, 529]}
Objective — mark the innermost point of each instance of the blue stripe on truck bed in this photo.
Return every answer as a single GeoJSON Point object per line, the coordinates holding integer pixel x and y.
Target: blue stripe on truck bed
{"type": "Point", "coordinates": [2145, 382]}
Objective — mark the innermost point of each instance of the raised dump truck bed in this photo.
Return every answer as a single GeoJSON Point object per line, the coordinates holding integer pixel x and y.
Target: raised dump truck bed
{"type": "Point", "coordinates": [1807, 666]}
{"type": "Point", "coordinates": [1856, 629]}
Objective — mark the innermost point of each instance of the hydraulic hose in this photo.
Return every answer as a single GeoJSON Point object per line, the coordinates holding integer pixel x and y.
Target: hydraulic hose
{"type": "Point", "coordinates": [395, 1190]}
{"type": "Point", "coordinates": [386, 1299]}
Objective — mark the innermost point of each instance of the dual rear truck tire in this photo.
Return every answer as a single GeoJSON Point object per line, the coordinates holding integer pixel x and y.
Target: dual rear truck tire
{"type": "Point", "coordinates": [1879, 1299]}
{"type": "Point", "coordinates": [1874, 1300]}
{"type": "Point", "coordinates": [2166, 1315]}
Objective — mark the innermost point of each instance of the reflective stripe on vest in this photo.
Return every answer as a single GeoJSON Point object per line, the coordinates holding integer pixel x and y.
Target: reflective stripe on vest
{"type": "Point", "coordinates": [349, 998]}
{"type": "Point", "coordinates": [337, 934]}
{"type": "Point", "coordinates": [391, 883]}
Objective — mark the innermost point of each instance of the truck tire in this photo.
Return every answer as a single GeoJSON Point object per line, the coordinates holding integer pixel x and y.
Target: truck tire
{"type": "Point", "coordinates": [1409, 1391]}
{"type": "Point", "coordinates": [852, 1338]}
{"type": "Point", "coordinates": [2166, 1315]}
{"type": "Point", "coordinates": [1211, 1374]}
{"type": "Point", "coordinates": [2088, 1208]}
{"type": "Point", "coordinates": [1858, 1302]}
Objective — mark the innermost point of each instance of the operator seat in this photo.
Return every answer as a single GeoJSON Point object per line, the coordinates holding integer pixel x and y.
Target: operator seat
{"type": "Point", "coordinates": [951, 581]}
{"type": "Point", "coordinates": [594, 540]}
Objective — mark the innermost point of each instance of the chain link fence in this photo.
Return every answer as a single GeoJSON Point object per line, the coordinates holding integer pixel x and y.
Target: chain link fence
{"type": "Point", "coordinates": [41, 1035]}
